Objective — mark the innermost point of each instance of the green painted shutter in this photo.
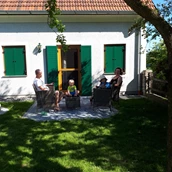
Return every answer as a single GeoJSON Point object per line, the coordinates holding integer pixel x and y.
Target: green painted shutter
{"type": "Point", "coordinates": [52, 66]}
{"type": "Point", "coordinates": [109, 59]}
{"type": "Point", "coordinates": [119, 56]}
{"type": "Point", "coordinates": [114, 57]}
{"type": "Point", "coordinates": [14, 61]}
{"type": "Point", "coordinates": [86, 77]}
{"type": "Point", "coordinates": [9, 61]}
{"type": "Point", "coordinates": [19, 58]}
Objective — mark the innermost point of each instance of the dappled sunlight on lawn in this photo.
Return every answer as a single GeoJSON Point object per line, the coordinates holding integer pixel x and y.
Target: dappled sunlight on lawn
{"type": "Point", "coordinates": [121, 143]}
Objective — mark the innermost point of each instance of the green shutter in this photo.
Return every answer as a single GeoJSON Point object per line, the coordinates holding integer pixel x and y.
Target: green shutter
{"type": "Point", "coordinates": [114, 57]}
{"type": "Point", "coordinates": [119, 56]}
{"type": "Point", "coordinates": [19, 57]}
{"type": "Point", "coordinates": [52, 66]}
{"type": "Point", "coordinates": [9, 61]}
{"type": "Point", "coordinates": [109, 59]}
{"type": "Point", "coordinates": [86, 77]}
{"type": "Point", "coordinates": [14, 61]}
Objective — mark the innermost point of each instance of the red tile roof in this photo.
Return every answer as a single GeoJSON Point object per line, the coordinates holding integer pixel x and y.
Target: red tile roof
{"type": "Point", "coordinates": [65, 5]}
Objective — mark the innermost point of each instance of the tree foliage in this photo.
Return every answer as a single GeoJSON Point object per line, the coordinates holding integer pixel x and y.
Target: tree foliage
{"type": "Point", "coordinates": [54, 23]}
{"type": "Point", "coordinates": [157, 56]}
{"type": "Point", "coordinates": [165, 11]}
{"type": "Point", "coordinates": [164, 28]}
{"type": "Point", "coordinates": [149, 31]}
{"type": "Point", "coordinates": [157, 60]}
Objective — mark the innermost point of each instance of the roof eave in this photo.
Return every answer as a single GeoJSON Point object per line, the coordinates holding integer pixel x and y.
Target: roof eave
{"type": "Point", "coordinates": [2, 12]}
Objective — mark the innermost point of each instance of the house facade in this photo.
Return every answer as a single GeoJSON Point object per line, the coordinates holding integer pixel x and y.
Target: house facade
{"type": "Point", "coordinates": [98, 40]}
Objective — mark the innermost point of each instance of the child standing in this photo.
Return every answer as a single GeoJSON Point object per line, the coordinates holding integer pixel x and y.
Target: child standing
{"type": "Point", "coordinates": [71, 89]}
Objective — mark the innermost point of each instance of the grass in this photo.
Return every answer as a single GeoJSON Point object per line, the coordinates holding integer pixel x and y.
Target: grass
{"type": "Point", "coordinates": [134, 140]}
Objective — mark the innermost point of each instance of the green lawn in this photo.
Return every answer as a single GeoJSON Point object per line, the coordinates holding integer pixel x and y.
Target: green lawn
{"type": "Point", "coordinates": [132, 141]}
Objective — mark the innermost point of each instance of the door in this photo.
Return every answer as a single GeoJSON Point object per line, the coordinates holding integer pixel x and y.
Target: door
{"type": "Point", "coordinates": [69, 67]}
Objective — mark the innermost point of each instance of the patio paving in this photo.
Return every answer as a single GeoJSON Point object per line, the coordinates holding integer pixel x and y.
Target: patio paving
{"type": "Point", "coordinates": [83, 112]}
{"type": "Point", "coordinates": [3, 110]}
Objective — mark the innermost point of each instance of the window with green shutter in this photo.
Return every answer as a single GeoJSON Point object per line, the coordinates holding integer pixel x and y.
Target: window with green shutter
{"type": "Point", "coordinates": [52, 65]}
{"type": "Point", "coordinates": [114, 57]}
{"type": "Point", "coordinates": [14, 61]}
{"type": "Point", "coordinates": [86, 77]}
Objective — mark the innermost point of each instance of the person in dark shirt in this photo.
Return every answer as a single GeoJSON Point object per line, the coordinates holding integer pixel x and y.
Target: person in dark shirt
{"type": "Point", "coordinates": [116, 83]}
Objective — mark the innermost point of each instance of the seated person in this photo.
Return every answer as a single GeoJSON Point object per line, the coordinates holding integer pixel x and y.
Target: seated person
{"type": "Point", "coordinates": [71, 89]}
{"type": "Point", "coordinates": [116, 83]}
{"type": "Point", "coordinates": [39, 84]}
{"type": "Point", "coordinates": [103, 84]}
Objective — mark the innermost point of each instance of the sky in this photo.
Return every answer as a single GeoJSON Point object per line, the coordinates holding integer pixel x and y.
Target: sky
{"type": "Point", "coordinates": [157, 1]}
{"type": "Point", "coordinates": [150, 44]}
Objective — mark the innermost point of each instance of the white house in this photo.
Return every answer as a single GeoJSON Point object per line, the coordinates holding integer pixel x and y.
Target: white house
{"type": "Point", "coordinates": [96, 32]}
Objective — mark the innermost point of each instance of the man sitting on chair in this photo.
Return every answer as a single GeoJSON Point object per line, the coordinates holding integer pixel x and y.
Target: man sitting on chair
{"type": "Point", "coordinates": [40, 86]}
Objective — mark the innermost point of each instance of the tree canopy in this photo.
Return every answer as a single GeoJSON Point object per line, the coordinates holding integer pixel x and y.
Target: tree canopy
{"type": "Point", "coordinates": [54, 23]}
{"type": "Point", "coordinates": [157, 60]}
{"type": "Point", "coordinates": [163, 26]}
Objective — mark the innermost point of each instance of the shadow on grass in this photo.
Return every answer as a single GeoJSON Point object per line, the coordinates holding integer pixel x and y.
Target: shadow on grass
{"type": "Point", "coordinates": [133, 140]}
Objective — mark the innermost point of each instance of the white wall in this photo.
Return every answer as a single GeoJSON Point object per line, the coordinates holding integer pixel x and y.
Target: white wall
{"type": "Point", "coordinates": [94, 34]}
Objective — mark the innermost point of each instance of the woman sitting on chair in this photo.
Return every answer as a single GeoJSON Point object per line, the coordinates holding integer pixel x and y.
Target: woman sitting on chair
{"type": "Point", "coordinates": [116, 83]}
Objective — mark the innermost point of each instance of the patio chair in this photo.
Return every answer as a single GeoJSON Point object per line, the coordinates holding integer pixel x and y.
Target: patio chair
{"type": "Point", "coordinates": [45, 99]}
{"type": "Point", "coordinates": [115, 93]}
{"type": "Point", "coordinates": [72, 102]}
{"type": "Point", "coordinates": [102, 97]}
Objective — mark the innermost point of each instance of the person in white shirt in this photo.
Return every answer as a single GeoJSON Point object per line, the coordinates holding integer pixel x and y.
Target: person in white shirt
{"type": "Point", "coordinates": [41, 86]}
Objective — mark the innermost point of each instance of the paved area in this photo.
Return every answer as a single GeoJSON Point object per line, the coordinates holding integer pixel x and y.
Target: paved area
{"type": "Point", "coordinates": [3, 110]}
{"type": "Point", "coordinates": [126, 97]}
{"type": "Point", "coordinates": [85, 111]}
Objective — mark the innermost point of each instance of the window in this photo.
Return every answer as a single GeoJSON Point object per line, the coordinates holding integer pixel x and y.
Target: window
{"type": "Point", "coordinates": [14, 61]}
{"type": "Point", "coordinates": [114, 57]}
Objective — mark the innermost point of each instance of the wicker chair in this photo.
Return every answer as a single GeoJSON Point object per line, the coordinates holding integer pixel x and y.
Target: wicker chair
{"type": "Point", "coordinates": [72, 102]}
{"type": "Point", "coordinates": [102, 97]}
{"type": "Point", "coordinates": [115, 93]}
{"type": "Point", "coordinates": [45, 99]}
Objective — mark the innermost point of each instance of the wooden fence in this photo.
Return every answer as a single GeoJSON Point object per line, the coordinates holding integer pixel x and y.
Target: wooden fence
{"type": "Point", "coordinates": [153, 85]}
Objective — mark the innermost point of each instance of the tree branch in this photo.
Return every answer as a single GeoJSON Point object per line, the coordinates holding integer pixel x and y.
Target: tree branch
{"type": "Point", "coordinates": [147, 10]}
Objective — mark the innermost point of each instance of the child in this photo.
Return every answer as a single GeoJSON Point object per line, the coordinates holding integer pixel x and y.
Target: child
{"type": "Point", "coordinates": [103, 84]}
{"type": "Point", "coordinates": [71, 89]}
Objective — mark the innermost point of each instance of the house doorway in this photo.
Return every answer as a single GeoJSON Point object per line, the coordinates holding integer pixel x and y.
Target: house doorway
{"type": "Point", "coordinates": [69, 67]}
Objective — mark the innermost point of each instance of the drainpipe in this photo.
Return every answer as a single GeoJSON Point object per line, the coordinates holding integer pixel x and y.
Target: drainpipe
{"type": "Point", "coordinates": [139, 62]}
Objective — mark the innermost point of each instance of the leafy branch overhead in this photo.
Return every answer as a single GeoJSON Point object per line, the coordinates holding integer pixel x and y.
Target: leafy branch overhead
{"type": "Point", "coordinates": [149, 31]}
{"type": "Point", "coordinates": [55, 23]}
{"type": "Point", "coordinates": [161, 20]}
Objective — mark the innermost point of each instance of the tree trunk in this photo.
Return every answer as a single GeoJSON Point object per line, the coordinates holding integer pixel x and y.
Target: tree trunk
{"type": "Point", "coordinates": [151, 14]}
{"type": "Point", "coordinates": [169, 132]}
